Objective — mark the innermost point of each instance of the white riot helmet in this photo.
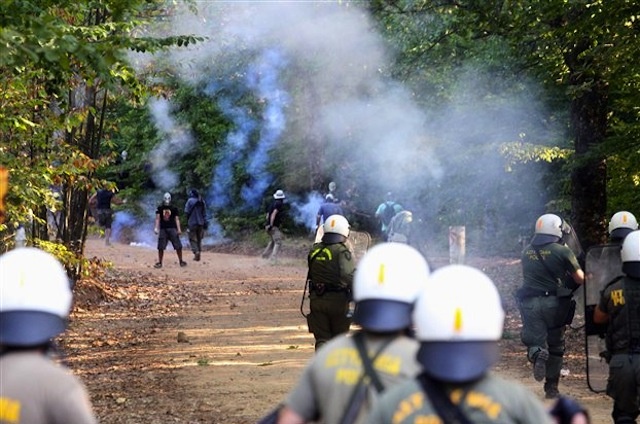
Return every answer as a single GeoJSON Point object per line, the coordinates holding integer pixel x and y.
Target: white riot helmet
{"type": "Point", "coordinates": [36, 297]}
{"type": "Point", "coordinates": [621, 224]}
{"type": "Point", "coordinates": [166, 199]}
{"type": "Point", "coordinates": [458, 320]}
{"type": "Point", "coordinates": [279, 194]}
{"type": "Point", "coordinates": [630, 254]}
{"type": "Point", "coordinates": [385, 286]}
{"type": "Point", "coordinates": [336, 229]}
{"type": "Point", "coordinates": [549, 229]}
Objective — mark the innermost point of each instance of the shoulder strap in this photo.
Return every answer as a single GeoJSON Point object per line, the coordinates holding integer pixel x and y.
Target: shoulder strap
{"type": "Point", "coordinates": [367, 362]}
{"type": "Point", "coordinates": [446, 410]}
{"type": "Point", "coordinates": [359, 393]}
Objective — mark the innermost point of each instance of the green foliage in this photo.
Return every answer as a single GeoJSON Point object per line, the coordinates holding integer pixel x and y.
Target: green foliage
{"type": "Point", "coordinates": [60, 62]}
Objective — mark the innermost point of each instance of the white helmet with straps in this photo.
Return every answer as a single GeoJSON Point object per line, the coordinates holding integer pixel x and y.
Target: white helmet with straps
{"type": "Point", "coordinates": [337, 224]}
{"type": "Point", "coordinates": [385, 286]}
{"type": "Point", "coordinates": [630, 254]}
{"type": "Point", "coordinates": [458, 320]}
{"type": "Point", "coordinates": [36, 297]}
{"type": "Point", "coordinates": [621, 224]}
{"type": "Point", "coordinates": [550, 228]}
{"type": "Point", "coordinates": [166, 198]}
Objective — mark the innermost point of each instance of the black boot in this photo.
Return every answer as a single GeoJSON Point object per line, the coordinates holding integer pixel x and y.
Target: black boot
{"type": "Point", "coordinates": [551, 389]}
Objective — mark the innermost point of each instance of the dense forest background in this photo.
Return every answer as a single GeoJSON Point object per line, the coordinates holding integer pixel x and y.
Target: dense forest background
{"type": "Point", "coordinates": [483, 114]}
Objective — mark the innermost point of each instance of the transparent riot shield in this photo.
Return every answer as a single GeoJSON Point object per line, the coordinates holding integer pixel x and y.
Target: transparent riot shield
{"type": "Point", "coordinates": [359, 242]}
{"type": "Point", "coordinates": [602, 265]}
{"type": "Point", "coordinates": [570, 238]}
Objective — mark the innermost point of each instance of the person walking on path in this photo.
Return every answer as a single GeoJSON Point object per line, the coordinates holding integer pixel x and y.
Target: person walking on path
{"type": "Point", "coordinates": [196, 211]}
{"type": "Point", "coordinates": [34, 309]}
{"type": "Point", "coordinates": [167, 227]}
{"type": "Point", "coordinates": [274, 218]}
{"type": "Point", "coordinates": [385, 213]}
{"type": "Point", "coordinates": [545, 299]}
{"type": "Point", "coordinates": [327, 208]}
{"type": "Point", "coordinates": [101, 203]}
{"type": "Point", "coordinates": [458, 337]}
{"type": "Point", "coordinates": [380, 355]}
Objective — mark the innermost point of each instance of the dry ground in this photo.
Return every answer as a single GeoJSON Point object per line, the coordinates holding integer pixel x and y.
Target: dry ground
{"type": "Point", "coordinates": [223, 340]}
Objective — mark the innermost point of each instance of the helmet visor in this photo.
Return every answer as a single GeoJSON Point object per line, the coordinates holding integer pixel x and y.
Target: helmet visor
{"type": "Point", "coordinates": [381, 315]}
{"type": "Point", "coordinates": [458, 362]}
{"type": "Point", "coordinates": [29, 328]}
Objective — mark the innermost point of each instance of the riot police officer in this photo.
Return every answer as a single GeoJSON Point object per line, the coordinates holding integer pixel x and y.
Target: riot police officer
{"type": "Point", "coordinates": [545, 299]}
{"type": "Point", "coordinates": [34, 307]}
{"type": "Point", "coordinates": [331, 270]}
{"type": "Point", "coordinates": [618, 306]}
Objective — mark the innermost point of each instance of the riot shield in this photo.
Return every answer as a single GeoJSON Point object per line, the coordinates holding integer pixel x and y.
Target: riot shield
{"type": "Point", "coordinates": [359, 242]}
{"type": "Point", "coordinates": [570, 238]}
{"type": "Point", "coordinates": [602, 265]}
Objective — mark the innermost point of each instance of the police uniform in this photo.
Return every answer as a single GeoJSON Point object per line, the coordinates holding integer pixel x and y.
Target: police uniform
{"type": "Point", "coordinates": [35, 390]}
{"type": "Point", "coordinates": [331, 270]}
{"type": "Point", "coordinates": [487, 400]}
{"type": "Point", "coordinates": [618, 298]}
{"type": "Point", "coordinates": [327, 383]}
{"type": "Point", "coordinates": [543, 329]}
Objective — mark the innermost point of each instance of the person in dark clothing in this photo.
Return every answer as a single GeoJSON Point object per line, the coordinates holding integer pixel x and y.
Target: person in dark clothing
{"type": "Point", "coordinates": [331, 270]}
{"type": "Point", "coordinates": [101, 203]}
{"type": "Point", "coordinates": [544, 298]}
{"type": "Point", "coordinates": [617, 308]}
{"type": "Point", "coordinates": [274, 218]}
{"type": "Point", "coordinates": [196, 211]}
{"type": "Point", "coordinates": [328, 208]}
{"type": "Point", "coordinates": [167, 226]}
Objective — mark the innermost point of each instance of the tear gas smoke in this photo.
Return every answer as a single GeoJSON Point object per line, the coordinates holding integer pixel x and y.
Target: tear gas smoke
{"type": "Point", "coordinates": [320, 68]}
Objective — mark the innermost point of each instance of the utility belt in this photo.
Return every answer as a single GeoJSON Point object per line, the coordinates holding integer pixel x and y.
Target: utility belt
{"type": "Point", "coordinates": [527, 292]}
{"type": "Point", "coordinates": [322, 288]}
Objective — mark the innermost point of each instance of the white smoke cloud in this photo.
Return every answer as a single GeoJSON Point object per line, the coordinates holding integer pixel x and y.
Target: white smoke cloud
{"type": "Point", "coordinates": [339, 66]}
{"type": "Point", "coordinates": [176, 141]}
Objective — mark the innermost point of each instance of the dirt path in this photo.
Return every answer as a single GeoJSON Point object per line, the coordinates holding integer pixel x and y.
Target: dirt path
{"type": "Point", "coordinates": [222, 340]}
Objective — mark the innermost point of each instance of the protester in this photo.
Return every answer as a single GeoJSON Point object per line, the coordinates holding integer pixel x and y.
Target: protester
{"type": "Point", "coordinates": [167, 226]}
{"type": "Point", "coordinates": [274, 219]}
{"type": "Point", "coordinates": [34, 307]}
{"type": "Point", "coordinates": [385, 213]}
{"type": "Point", "coordinates": [401, 228]}
{"type": "Point", "coordinates": [328, 208]}
{"type": "Point", "coordinates": [196, 211]}
{"type": "Point", "coordinates": [101, 202]}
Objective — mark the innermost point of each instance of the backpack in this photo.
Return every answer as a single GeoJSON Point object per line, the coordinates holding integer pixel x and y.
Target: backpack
{"type": "Point", "coordinates": [388, 213]}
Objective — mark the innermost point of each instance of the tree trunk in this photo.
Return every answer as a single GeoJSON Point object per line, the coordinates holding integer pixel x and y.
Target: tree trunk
{"type": "Point", "coordinates": [589, 177]}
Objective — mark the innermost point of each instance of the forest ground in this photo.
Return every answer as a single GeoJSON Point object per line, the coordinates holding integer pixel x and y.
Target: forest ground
{"type": "Point", "coordinates": [223, 340]}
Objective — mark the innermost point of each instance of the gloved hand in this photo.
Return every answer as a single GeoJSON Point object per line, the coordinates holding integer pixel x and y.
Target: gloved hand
{"type": "Point", "coordinates": [155, 230]}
